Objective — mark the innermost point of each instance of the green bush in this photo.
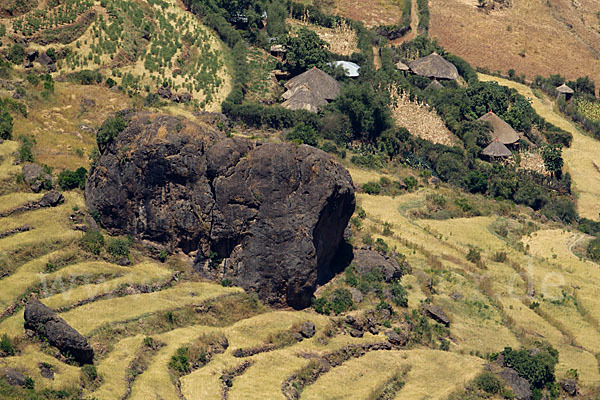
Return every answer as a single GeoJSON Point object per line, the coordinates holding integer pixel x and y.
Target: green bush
{"type": "Point", "coordinates": [6, 346]}
{"type": "Point", "coordinates": [26, 149]}
{"type": "Point", "coordinates": [90, 372]}
{"type": "Point", "coordinates": [6, 124]}
{"type": "Point", "coordinates": [119, 247]}
{"type": "Point", "coordinates": [536, 367]}
{"type": "Point", "coordinates": [110, 129]}
{"type": "Point", "coordinates": [593, 249]}
{"type": "Point", "coordinates": [371, 188]}
{"type": "Point", "coordinates": [399, 294]}
{"type": "Point", "coordinates": [341, 301]}
{"type": "Point", "coordinates": [474, 256]}
{"type": "Point", "coordinates": [16, 53]}
{"type": "Point", "coordinates": [350, 277]}
{"type": "Point", "coordinates": [489, 383]}
{"type": "Point", "coordinates": [93, 242]}
{"type": "Point", "coordinates": [163, 255]}
{"type": "Point", "coordinates": [303, 134]}
{"type": "Point", "coordinates": [68, 180]}
{"type": "Point", "coordinates": [180, 361]}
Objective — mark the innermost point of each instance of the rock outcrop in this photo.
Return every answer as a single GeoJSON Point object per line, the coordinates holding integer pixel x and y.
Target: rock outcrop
{"type": "Point", "coordinates": [268, 217]}
{"type": "Point", "coordinates": [45, 323]}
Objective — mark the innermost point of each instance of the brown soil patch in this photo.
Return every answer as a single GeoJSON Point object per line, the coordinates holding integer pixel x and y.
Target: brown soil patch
{"type": "Point", "coordinates": [531, 37]}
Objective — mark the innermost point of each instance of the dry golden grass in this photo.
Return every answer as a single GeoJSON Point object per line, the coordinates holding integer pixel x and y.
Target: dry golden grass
{"type": "Point", "coordinates": [90, 316]}
{"type": "Point", "coordinates": [579, 158]}
{"type": "Point", "coordinates": [371, 12]}
{"type": "Point", "coordinates": [113, 369]}
{"type": "Point", "coordinates": [531, 37]}
{"type": "Point", "coordinates": [341, 39]}
{"type": "Point", "coordinates": [432, 375]}
{"type": "Point", "coordinates": [419, 119]}
{"type": "Point", "coordinates": [17, 199]}
{"type": "Point", "coordinates": [56, 123]}
{"type": "Point", "coordinates": [7, 169]}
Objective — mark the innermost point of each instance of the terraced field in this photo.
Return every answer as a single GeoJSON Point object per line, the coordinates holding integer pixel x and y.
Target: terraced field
{"type": "Point", "coordinates": [140, 45]}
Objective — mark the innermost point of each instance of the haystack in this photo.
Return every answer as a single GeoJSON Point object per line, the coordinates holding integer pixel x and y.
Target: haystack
{"type": "Point", "coordinates": [434, 66]}
{"type": "Point", "coordinates": [318, 82]}
{"type": "Point", "coordinates": [500, 129]}
{"type": "Point", "coordinates": [303, 98]}
{"type": "Point", "coordinates": [496, 149]}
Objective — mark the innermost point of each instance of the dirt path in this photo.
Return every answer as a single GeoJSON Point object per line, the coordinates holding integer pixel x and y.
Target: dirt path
{"type": "Point", "coordinates": [376, 58]}
{"type": "Point", "coordinates": [579, 158]}
{"type": "Point", "coordinates": [414, 26]}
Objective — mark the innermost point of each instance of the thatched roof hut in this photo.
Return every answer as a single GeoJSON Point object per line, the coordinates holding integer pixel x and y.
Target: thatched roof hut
{"type": "Point", "coordinates": [564, 89]}
{"type": "Point", "coordinates": [304, 98]}
{"type": "Point", "coordinates": [434, 66]}
{"type": "Point", "coordinates": [318, 82]}
{"type": "Point", "coordinates": [496, 149]}
{"type": "Point", "coordinates": [402, 67]}
{"type": "Point", "coordinates": [434, 85]}
{"type": "Point", "coordinates": [500, 129]}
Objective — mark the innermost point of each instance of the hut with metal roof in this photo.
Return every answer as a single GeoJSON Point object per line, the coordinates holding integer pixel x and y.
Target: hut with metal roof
{"type": "Point", "coordinates": [350, 69]}
{"type": "Point", "coordinates": [496, 150]}
{"type": "Point", "coordinates": [566, 91]}
{"type": "Point", "coordinates": [434, 66]}
{"type": "Point", "coordinates": [500, 129]}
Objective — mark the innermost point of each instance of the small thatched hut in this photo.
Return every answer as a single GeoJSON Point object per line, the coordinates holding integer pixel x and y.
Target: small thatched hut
{"type": "Point", "coordinates": [434, 66]}
{"type": "Point", "coordinates": [434, 85]}
{"type": "Point", "coordinates": [401, 66]}
{"type": "Point", "coordinates": [303, 98]}
{"type": "Point", "coordinates": [501, 131]}
{"type": "Point", "coordinates": [496, 150]}
{"type": "Point", "coordinates": [318, 82]}
{"type": "Point", "coordinates": [565, 90]}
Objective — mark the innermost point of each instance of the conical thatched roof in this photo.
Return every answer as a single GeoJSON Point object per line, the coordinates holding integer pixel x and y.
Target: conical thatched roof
{"type": "Point", "coordinates": [500, 129]}
{"type": "Point", "coordinates": [303, 98]}
{"type": "Point", "coordinates": [434, 66]}
{"type": "Point", "coordinates": [318, 82]}
{"type": "Point", "coordinates": [496, 149]}
{"type": "Point", "coordinates": [564, 89]}
{"type": "Point", "coordinates": [401, 66]}
{"type": "Point", "coordinates": [435, 85]}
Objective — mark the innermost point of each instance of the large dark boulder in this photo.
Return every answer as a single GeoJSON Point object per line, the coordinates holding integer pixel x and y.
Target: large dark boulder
{"type": "Point", "coordinates": [268, 217]}
{"type": "Point", "coordinates": [45, 323]}
{"type": "Point", "coordinates": [367, 261]}
{"type": "Point", "coordinates": [519, 386]}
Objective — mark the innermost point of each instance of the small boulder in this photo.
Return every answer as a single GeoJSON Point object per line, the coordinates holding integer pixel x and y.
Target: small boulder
{"type": "Point", "coordinates": [35, 176]}
{"type": "Point", "coordinates": [569, 386]}
{"type": "Point", "coordinates": [437, 314]}
{"type": "Point", "coordinates": [47, 371]}
{"type": "Point", "coordinates": [356, 333]}
{"type": "Point", "coordinates": [519, 386]}
{"type": "Point", "coordinates": [13, 377]}
{"type": "Point", "coordinates": [397, 339]}
{"type": "Point", "coordinates": [164, 92]}
{"type": "Point", "coordinates": [366, 261]}
{"type": "Point", "coordinates": [307, 330]}
{"type": "Point", "coordinates": [52, 199]}
{"type": "Point", "coordinates": [357, 295]}
{"type": "Point", "coordinates": [44, 322]}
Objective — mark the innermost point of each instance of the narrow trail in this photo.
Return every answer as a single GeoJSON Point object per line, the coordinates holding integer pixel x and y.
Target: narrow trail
{"type": "Point", "coordinates": [579, 158]}
{"type": "Point", "coordinates": [414, 26]}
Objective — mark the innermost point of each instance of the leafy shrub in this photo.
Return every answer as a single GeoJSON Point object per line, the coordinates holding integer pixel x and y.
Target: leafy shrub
{"type": "Point", "coordinates": [303, 134]}
{"type": "Point", "coordinates": [26, 149]}
{"type": "Point", "coordinates": [399, 294]}
{"type": "Point", "coordinates": [163, 255]}
{"type": "Point", "coordinates": [6, 346]}
{"type": "Point", "coordinates": [110, 129]}
{"type": "Point", "coordinates": [119, 247]}
{"type": "Point", "coordinates": [180, 361]}
{"type": "Point", "coordinates": [341, 300]}
{"type": "Point", "coordinates": [593, 249]}
{"type": "Point", "coordinates": [226, 282]}
{"type": "Point", "coordinates": [536, 367]}
{"type": "Point", "coordinates": [489, 383]}
{"type": "Point", "coordinates": [6, 124]}
{"type": "Point", "coordinates": [68, 180]}
{"type": "Point", "coordinates": [90, 372]}
{"type": "Point", "coordinates": [86, 77]}
{"type": "Point", "coordinates": [371, 188]}
{"type": "Point", "coordinates": [93, 242]}
{"type": "Point", "coordinates": [474, 256]}
{"type": "Point", "coordinates": [350, 276]}
{"type": "Point", "coordinates": [500, 256]}
{"type": "Point", "coordinates": [381, 246]}
{"type": "Point", "coordinates": [16, 53]}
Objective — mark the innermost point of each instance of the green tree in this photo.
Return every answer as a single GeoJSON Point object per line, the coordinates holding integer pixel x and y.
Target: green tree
{"type": "Point", "coordinates": [6, 124]}
{"type": "Point", "coordinates": [68, 180]}
{"type": "Point", "coordinates": [276, 15]}
{"type": "Point", "coordinates": [552, 155]}
{"type": "Point", "coordinates": [16, 53]}
{"type": "Point", "coordinates": [109, 130]}
{"type": "Point", "coordinates": [306, 50]}
{"type": "Point", "coordinates": [303, 134]}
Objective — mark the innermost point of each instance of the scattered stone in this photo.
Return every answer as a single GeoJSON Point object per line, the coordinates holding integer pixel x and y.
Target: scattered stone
{"type": "Point", "coordinates": [356, 333]}
{"type": "Point", "coordinates": [14, 231]}
{"type": "Point", "coordinates": [13, 377]}
{"type": "Point", "coordinates": [51, 68]}
{"type": "Point", "coordinates": [569, 386]}
{"type": "Point", "coordinates": [437, 314]}
{"type": "Point", "coordinates": [31, 55]}
{"type": "Point", "coordinates": [35, 176]}
{"type": "Point", "coordinates": [396, 338]}
{"type": "Point", "coordinates": [52, 199]}
{"type": "Point", "coordinates": [164, 92]}
{"type": "Point", "coordinates": [366, 261]}
{"type": "Point", "coordinates": [44, 322]}
{"type": "Point", "coordinates": [357, 295]}
{"type": "Point", "coordinates": [124, 261]}
{"type": "Point", "coordinates": [185, 97]}
{"type": "Point", "coordinates": [44, 59]}
{"type": "Point", "coordinates": [519, 386]}
{"type": "Point", "coordinates": [28, 64]}
{"type": "Point", "coordinates": [307, 330]}
{"type": "Point", "coordinates": [47, 371]}
{"type": "Point", "coordinates": [350, 320]}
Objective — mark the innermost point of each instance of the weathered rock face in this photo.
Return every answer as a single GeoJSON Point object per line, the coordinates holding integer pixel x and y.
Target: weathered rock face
{"type": "Point", "coordinates": [269, 217]}
{"type": "Point", "coordinates": [45, 323]}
